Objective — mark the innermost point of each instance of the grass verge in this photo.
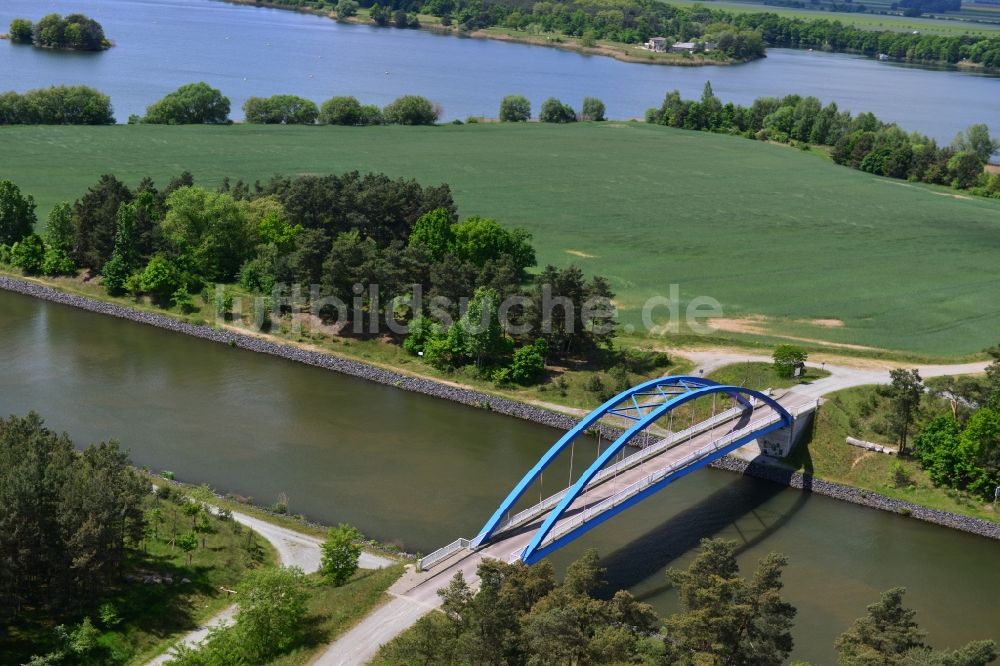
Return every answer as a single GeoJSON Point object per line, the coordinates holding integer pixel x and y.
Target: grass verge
{"type": "Point", "coordinates": [334, 610]}
{"type": "Point", "coordinates": [763, 376]}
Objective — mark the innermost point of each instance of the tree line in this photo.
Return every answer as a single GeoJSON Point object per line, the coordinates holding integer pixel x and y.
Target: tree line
{"type": "Point", "coordinates": [521, 615]}
{"type": "Point", "coordinates": [736, 35]}
{"type": "Point", "coordinates": [74, 31]}
{"type": "Point", "coordinates": [200, 103]}
{"type": "Point", "coordinates": [906, 46]}
{"type": "Point", "coordinates": [861, 142]}
{"type": "Point", "coordinates": [56, 105]}
{"type": "Point", "coordinates": [380, 252]}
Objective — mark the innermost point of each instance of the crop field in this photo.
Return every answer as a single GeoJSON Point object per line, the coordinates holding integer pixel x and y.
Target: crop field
{"type": "Point", "coordinates": [974, 20]}
{"type": "Point", "coordinates": [789, 243]}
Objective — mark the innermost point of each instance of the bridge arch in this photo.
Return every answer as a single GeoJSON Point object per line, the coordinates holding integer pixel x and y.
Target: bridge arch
{"type": "Point", "coordinates": [661, 396]}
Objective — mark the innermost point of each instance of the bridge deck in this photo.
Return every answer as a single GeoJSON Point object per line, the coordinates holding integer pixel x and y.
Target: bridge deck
{"type": "Point", "coordinates": [636, 473]}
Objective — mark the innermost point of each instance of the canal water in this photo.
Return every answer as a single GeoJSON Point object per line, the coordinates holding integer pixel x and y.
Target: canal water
{"type": "Point", "coordinates": [420, 472]}
{"type": "Point", "coordinates": [247, 51]}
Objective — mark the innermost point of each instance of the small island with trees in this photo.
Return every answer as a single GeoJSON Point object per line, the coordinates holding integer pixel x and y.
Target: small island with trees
{"type": "Point", "coordinates": [74, 32]}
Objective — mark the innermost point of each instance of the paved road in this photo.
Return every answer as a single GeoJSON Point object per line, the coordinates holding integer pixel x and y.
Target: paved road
{"type": "Point", "coordinates": [841, 376]}
{"type": "Point", "coordinates": [361, 643]}
{"type": "Point", "coordinates": [294, 549]}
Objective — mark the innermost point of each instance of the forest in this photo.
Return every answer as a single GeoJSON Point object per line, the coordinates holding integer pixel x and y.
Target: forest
{"type": "Point", "coordinates": [370, 255]}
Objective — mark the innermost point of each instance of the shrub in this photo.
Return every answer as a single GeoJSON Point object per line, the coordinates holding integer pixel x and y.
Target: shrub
{"type": "Point", "coordinates": [593, 109]}
{"type": "Point", "coordinates": [281, 504]}
{"type": "Point", "coordinates": [109, 615]}
{"type": "Point", "coordinates": [28, 254]}
{"type": "Point", "coordinates": [183, 300]}
{"type": "Point", "coordinates": [514, 109]}
{"type": "Point", "coordinates": [346, 9]}
{"type": "Point", "coordinates": [341, 553]}
{"type": "Point", "coordinates": [501, 377]}
{"type": "Point", "coordinates": [620, 377]}
{"type": "Point", "coordinates": [899, 476]}
{"type": "Point", "coordinates": [528, 365]}
{"type": "Point", "coordinates": [411, 110]}
{"type": "Point", "coordinates": [595, 384]}
{"type": "Point", "coordinates": [554, 111]}
{"type": "Point", "coordinates": [58, 262]}
{"type": "Point", "coordinates": [160, 278]}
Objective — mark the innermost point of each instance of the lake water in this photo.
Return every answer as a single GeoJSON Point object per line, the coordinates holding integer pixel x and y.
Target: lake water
{"type": "Point", "coordinates": [248, 51]}
{"type": "Point", "coordinates": [421, 471]}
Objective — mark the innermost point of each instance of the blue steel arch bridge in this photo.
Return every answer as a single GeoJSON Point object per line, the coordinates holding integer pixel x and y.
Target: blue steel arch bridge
{"type": "Point", "coordinates": [651, 448]}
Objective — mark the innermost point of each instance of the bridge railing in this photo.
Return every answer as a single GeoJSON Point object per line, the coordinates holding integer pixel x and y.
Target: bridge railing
{"type": "Point", "coordinates": [631, 461]}
{"type": "Point", "coordinates": [658, 475]}
{"type": "Point", "coordinates": [442, 553]}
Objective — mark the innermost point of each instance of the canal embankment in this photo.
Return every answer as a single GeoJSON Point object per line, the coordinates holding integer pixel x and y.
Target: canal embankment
{"type": "Point", "coordinates": [774, 473]}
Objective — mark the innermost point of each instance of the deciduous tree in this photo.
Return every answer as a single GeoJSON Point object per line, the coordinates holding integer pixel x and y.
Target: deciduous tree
{"type": "Point", "coordinates": [17, 213]}
{"type": "Point", "coordinates": [515, 108]}
{"type": "Point", "coordinates": [904, 392]}
{"type": "Point", "coordinates": [191, 104]}
{"type": "Point", "coordinates": [554, 111]}
{"type": "Point", "coordinates": [786, 358]}
{"type": "Point", "coordinates": [341, 553]}
{"type": "Point", "coordinates": [411, 110]}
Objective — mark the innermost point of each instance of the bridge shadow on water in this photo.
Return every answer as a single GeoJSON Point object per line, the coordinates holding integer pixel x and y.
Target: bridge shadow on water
{"type": "Point", "coordinates": [653, 552]}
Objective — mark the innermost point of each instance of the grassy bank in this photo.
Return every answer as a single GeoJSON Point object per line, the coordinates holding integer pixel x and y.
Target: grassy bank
{"type": "Point", "coordinates": [766, 230]}
{"type": "Point", "coordinates": [857, 412]}
{"type": "Point", "coordinates": [334, 610]}
{"type": "Point", "coordinates": [291, 521]}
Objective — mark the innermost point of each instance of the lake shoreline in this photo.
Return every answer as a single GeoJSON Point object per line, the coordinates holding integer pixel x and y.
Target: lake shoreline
{"type": "Point", "coordinates": [482, 400]}
{"type": "Point", "coordinates": [613, 50]}
{"type": "Point", "coordinates": [608, 51]}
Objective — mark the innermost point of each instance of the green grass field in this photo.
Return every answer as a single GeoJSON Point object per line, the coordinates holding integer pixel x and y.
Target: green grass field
{"type": "Point", "coordinates": [972, 21]}
{"type": "Point", "coordinates": [765, 229]}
